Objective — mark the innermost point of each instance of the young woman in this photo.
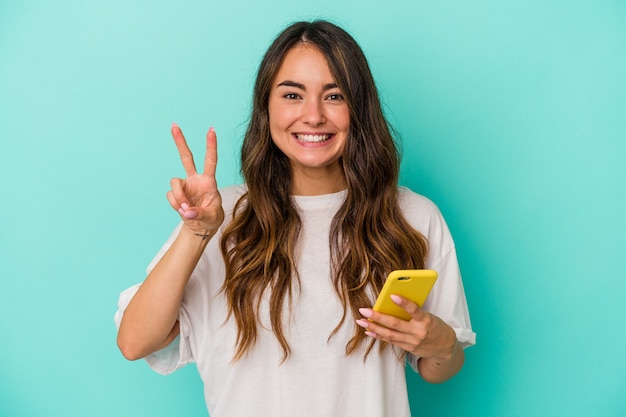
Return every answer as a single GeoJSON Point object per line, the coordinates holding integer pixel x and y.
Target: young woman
{"type": "Point", "coordinates": [268, 286]}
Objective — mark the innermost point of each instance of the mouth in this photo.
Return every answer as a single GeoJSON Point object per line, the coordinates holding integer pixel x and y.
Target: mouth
{"type": "Point", "coordinates": [309, 138]}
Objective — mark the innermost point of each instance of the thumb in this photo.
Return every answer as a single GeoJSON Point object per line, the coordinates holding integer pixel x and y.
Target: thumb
{"type": "Point", "coordinates": [188, 212]}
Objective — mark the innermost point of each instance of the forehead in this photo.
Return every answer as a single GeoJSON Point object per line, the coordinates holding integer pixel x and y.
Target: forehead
{"type": "Point", "coordinates": [304, 62]}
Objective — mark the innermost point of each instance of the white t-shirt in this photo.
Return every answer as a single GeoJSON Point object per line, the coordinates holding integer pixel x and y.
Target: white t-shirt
{"type": "Point", "coordinates": [317, 379]}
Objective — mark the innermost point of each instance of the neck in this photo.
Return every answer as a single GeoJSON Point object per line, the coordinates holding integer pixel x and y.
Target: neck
{"type": "Point", "coordinates": [316, 183]}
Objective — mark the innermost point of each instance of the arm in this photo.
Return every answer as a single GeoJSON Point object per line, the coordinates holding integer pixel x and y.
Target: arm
{"type": "Point", "coordinates": [438, 370]}
{"type": "Point", "coordinates": [425, 336]}
{"type": "Point", "coordinates": [150, 320]}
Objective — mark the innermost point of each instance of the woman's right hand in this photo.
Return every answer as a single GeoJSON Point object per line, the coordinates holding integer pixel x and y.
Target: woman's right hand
{"type": "Point", "coordinates": [150, 322]}
{"type": "Point", "coordinates": [196, 197]}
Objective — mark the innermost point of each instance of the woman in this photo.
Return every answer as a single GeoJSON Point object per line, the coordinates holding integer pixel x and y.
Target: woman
{"type": "Point", "coordinates": [267, 286]}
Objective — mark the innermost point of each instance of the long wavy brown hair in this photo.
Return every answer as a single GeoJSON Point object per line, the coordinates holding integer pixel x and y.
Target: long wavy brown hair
{"type": "Point", "coordinates": [369, 235]}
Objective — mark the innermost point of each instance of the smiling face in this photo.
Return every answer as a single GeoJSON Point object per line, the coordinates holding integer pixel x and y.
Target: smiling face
{"type": "Point", "coordinates": [309, 120]}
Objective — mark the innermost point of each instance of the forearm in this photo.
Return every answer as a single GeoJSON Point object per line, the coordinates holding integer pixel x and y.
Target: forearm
{"type": "Point", "coordinates": [439, 369]}
{"type": "Point", "coordinates": [150, 320]}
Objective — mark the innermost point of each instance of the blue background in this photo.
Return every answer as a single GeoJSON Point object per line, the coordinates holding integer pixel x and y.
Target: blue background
{"type": "Point", "coordinates": [512, 116]}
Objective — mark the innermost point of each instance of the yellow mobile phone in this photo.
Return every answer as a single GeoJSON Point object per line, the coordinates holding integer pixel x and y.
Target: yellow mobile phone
{"type": "Point", "coordinates": [413, 284]}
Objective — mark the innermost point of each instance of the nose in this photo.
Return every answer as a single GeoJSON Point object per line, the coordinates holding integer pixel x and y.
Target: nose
{"type": "Point", "coordinates": [313, 113]}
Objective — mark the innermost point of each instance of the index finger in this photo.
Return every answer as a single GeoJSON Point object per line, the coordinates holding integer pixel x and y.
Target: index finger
{"type": "Point", "coordinates": [186, 156]}
{"type": "Point", "coordinates": [210, 158]}
{"type": "Point", "coordinates": [414, 310]}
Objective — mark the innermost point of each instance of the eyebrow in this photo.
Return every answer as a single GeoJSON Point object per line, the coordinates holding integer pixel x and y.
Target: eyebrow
{"type": "Point", "coordinates": [288, 83]}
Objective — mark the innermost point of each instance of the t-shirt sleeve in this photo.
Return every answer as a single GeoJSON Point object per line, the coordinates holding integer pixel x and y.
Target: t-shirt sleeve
{"type": "Point", "coordinates": [447, 299]}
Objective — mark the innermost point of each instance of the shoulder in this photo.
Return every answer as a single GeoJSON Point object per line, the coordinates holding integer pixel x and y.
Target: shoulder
{"type": "Point", "coordinates": [410, 200]}
{"type": "Point", "coordinates": [419, 211]}
{"type": "Point", "coordinates": [425, 217]}
{"type": "Point", "coordinates": [232, 194]}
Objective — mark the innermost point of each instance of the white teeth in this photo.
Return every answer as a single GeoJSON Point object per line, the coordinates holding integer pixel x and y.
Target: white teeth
{"type": "Point", "coordinates": [313, 138]}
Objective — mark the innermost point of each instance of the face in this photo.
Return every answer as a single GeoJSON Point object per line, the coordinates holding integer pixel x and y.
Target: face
{"type": "Point", "coordinates": [309, 117]}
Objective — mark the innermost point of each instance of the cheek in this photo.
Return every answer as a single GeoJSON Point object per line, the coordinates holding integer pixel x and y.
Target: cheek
{"type": "Point", "coordinates": [279, 117]}
{"type": "Point", "coordinates": [342, 119]}
{"type": "Point", "coordinates": [346, 125]}
{"type": "Point", "coordinates": [278, 127]}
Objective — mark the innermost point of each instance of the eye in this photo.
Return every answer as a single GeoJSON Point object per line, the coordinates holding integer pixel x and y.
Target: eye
{"type": "Point", "coordinates": [335, 97]}
{"type": "Point", "coordinates": [291, 96]}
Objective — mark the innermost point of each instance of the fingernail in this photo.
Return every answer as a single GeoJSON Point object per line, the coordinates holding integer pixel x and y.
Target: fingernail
{"type": "Point", "coordinates": [174, 124]}
{"type": "Point", "coordinates": [362, 323]}
{"type": "Point", "coordinates": [371, 334]}
{"type": "Point", "coordinates": [190, 214]}
{"type": "Point", "coordinates": [184, 206]}
{"type": "Point", "coordinates": [396, 299]}
{"type": "Point", "coordinates": [366, 312]}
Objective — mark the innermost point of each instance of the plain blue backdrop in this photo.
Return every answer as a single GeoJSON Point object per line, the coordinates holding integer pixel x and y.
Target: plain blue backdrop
{"type": "Point", "coordinates": [512, 118]}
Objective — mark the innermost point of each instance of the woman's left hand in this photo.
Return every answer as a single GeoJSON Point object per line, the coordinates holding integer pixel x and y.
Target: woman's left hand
{"type": "Point", "coordinates": [425, 335]}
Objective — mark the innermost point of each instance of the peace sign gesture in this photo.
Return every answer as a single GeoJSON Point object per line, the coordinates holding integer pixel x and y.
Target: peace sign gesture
{"type": "Point", "coordinates": [196, 197]}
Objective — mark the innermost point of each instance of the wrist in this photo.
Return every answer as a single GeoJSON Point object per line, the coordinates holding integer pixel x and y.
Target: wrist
{"type": "Point", "coordinates": [448, 346]}
{"type": "Point", "coordinates": [203, 235]}
{"type": "Point", "coordinates": [200, 235]}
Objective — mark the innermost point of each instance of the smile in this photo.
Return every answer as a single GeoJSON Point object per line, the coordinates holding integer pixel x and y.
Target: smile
{"type": "Point", "coordinates": [312, 138]}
